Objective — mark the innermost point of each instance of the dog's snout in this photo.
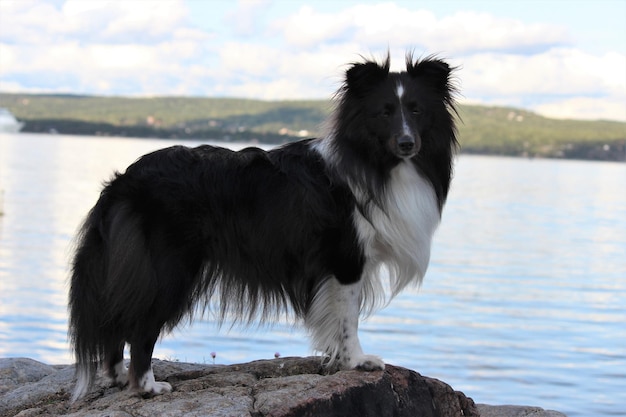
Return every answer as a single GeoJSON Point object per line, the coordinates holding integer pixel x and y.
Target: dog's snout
{"type": "Point", "coordinates": [406, 144]}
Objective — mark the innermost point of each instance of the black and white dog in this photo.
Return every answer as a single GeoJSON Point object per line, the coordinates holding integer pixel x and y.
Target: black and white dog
{"type": "Point", "coordinates": [305, 227]}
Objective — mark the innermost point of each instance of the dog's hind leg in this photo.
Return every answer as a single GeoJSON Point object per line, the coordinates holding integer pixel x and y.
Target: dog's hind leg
{"type": "Point", "coordinates": [333, 320]}
{"type": "Point", "coordinates": [114, 362]}
{"type": "Point", "coordinates": [140, 375]}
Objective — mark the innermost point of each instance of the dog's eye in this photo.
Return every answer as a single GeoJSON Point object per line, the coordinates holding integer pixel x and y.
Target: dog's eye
{"type": "Point", "coordinates": [415, 109]}
{"type": "Point", "coordinates": [387, 111]}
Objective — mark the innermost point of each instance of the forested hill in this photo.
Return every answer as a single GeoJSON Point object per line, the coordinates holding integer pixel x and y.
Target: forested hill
{"type": "Point", "coordinates": [485, 130]}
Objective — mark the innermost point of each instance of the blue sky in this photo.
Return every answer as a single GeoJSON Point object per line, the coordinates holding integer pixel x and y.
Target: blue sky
{"type": "Point", "coordinates": [559, 58]}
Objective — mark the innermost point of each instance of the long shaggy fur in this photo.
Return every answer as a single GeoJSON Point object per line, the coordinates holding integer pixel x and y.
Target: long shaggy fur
{"type": "Point", "coordinates": [306, 227]}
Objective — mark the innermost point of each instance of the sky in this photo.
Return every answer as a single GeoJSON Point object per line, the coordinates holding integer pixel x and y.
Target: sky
{"type": "Point", "coordinates": [559, 58]}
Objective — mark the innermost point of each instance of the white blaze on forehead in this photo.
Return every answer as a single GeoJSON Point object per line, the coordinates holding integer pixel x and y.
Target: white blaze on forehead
{"type": "Point", "coordinates": [400, 90]}
{"type": "Point", "coordinates": [400, 93]}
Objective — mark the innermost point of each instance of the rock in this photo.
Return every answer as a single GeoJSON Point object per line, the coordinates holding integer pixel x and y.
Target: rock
{"type": "Point", "coordinates": [283, 387]}
{"type": "Point", "coordinates": [14, 372]}
{"type": "Point", "coordinates": [515, 411]}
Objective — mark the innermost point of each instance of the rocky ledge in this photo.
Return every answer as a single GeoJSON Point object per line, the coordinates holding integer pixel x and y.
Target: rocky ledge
{"type": "Point", "coordinates": [285, 387]}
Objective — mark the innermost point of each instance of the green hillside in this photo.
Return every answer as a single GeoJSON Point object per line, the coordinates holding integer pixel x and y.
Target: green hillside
{"type": "Point", "coordinates": [487, 130]}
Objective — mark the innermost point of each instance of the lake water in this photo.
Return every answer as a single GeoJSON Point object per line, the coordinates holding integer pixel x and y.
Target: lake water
{"type": "Point", "coordinates": [524, 301]}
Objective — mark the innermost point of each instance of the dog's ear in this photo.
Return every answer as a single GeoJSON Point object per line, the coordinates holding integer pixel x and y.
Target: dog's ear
{"type": "Point", "coordinates": [434, 71]}
{"type": "Point", "coordinates": [362, 77]}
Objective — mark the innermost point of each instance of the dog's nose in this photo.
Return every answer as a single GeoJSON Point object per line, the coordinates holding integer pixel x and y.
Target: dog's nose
{"type": "Point", "coordinates": [406, 144]}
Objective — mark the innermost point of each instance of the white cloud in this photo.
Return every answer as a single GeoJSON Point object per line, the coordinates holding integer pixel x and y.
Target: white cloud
{"type": "Point", "coordinates": [133, 19]}
{"type": "Point", "coordinates": [12, 86]}
{"type": "Point", "coordinates": [559, 73]}
{"type": "Point", "coordinates": [109, 47]}
{"type": "Point", "coordinates": [385, 24]}
{"type": "Point", "coordinates": [30, 22]}
{"type": "Point", "coordinates": [585, 108]}
{"type": "Point", "coordinates": [561, 83]}
{"type": "Point", "coordinates": [247, 59]}
{"type": "Point", "coordinates": [245, 17]}
{"type": "Point", "coordinates": [466, 32]}
{"type": "Point", "coordinates": [151, 47]}
{"type": "Point", "coordinates": [308, 28]}
{"type": "Point", "coordinates": [38, 22]}
{"type": "Point", "coordinates": [281, 89]}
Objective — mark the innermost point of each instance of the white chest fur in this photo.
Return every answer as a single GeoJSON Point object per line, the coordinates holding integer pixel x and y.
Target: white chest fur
{"type": "Point", "coordinates": [397, 236]}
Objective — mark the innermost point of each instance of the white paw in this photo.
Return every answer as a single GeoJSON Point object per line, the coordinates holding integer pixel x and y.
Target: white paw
{"type": "Point", "coordinates": [148, 385]}
{"type": "Point", "coordinates": [121, 380]}
{"type": "Point", "coordinates": [367, 363]}
{"type": "Point", "coordinates": [118, 375]}
{"type": "Point", "coordinates": [159, 388]}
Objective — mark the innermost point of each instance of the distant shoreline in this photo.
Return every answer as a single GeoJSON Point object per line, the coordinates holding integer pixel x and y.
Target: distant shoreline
{"type": "Point", "coordinates": [485, 130]}
{"type": "Point", "coordinates": [612, 151]}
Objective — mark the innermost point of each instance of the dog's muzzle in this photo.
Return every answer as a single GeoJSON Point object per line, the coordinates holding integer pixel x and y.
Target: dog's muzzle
{"type": "Point", "coordinates": [407, 145]}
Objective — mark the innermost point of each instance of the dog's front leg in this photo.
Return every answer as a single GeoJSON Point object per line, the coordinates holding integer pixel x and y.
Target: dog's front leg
{"type": "Point", "coordinates": [333, 320]}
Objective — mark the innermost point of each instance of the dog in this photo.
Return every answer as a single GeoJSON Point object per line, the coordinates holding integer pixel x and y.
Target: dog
{"type": "Point", "coordinates": [302, 229]}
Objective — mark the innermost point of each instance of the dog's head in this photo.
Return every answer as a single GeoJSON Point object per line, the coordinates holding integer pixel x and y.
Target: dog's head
{"type": "Point", "coordinates": [397, 110]}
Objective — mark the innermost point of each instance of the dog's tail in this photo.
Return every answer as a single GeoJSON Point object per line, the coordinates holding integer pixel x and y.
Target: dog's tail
{"type": "Point", "coordinates": [111, 267]}
{"type": "Point", "coordinates": [85, 301]}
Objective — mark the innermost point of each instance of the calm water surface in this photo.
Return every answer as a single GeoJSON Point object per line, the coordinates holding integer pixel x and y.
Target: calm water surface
{"type": "Point", "coordinates": [524, 301]}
